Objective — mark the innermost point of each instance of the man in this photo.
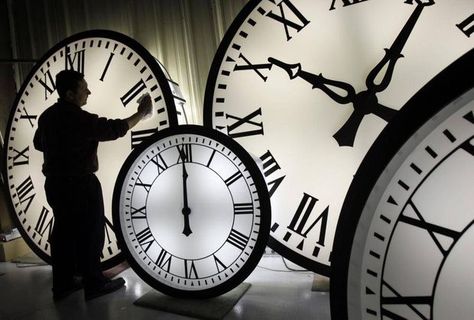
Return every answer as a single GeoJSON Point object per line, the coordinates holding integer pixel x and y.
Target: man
{"type": "Point", "coordinates": [68, 137]}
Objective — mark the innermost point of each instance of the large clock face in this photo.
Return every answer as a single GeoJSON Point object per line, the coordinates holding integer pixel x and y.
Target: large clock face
{"type": "Point", "coordinates": [118, 71]}
{"type": "Point", "coordinates": [193, 212]}
{"type": "Point", "coordinates": [403, 248]}
{"type": "Point", "coordinates": [307, 86]}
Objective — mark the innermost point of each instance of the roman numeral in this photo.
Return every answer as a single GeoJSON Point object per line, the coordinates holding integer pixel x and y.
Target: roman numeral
{"type": "Point", "coordinates": [190, 270]}
{"type": "Point", "coordinates": [145, 239]}
{"type": "Point", "coordinates": [138, 213]}
{"type": "Point", "coordinates": [407, 300]}
{"type": "Point", "coordinates": [287, 23]}
{"type": "Point", "coordinates": [243, 208]}
{"type": "Point", "coordinates": [108, 230]}
{"type": "Point", "coordinates": [255, 67]}
{"type": "Point", "coordinates": [25, 192]}
{"type": "Point", "coordinates": [211, 157]}
{"type": "Point", "coordinates": [410, 301]}
{"type": "Point", "coordinates": [233, 178]}
{"type": "Point", "coordinates": [270, 166]}
{"type": "Point", "coordinates": [107, 65]}
{"type": "Point", "coordinates": [345, 3]}
{"type": "Point", "coordinates": [468, 146]}
{"type": "Point", "coordinates": [257, 127]}
{"type": "Point", "coordinates": [48, 83]}
{"type": "Point", "coordinates": [467, 26]}
{"type": "Point", "coordinates": [144, 185]}
{"type": "Point", "coordinates": [133, 92]}
{"type": "Point", "coordinates": [219, 264]}
{"type": "Point", "coordinates": [25, 116]}
{"type": "Point", "coordinates": [185, 153]}
{"type": "Point", "coordinates": [139, 136]}
{"type": "Point", "coordinates": [237, 239]}
{"type": "Point", "coordinates": [469, 117]}
{"type": "Point", "coordinates": [160, 163]}
{"type": "Point", "coordinates": [76, 61]}
{"type": "Point", "coordinates": [44, 224]}
{"type": "Point", "coordinates": [301, 225]}
{"type": "Point", "coordinates": [21, 157]}
{"type": "Point", "coordinates": [432, 229]}
{"type": "Point", "coordinates": [164, 260]}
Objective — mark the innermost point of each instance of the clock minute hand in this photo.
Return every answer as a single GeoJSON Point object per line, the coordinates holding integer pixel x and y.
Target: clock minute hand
{"type": "Point", "coordinates": [395, 52]}
{"type": "Point", "coordinates": [318, 81]}
{"type": "Point", "coordinates": [186, 211]}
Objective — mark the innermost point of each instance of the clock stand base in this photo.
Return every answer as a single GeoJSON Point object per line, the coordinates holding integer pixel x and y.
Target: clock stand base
{"type": "Point", "coordinates": [212, 309]}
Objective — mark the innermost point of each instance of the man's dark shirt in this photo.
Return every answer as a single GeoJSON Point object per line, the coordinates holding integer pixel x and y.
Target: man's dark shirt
{"type": "Point", "coordinates": [68, 137]}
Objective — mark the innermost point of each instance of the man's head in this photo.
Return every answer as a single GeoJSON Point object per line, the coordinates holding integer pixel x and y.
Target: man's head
{"type": "Point", "coordinates": [72, 87]}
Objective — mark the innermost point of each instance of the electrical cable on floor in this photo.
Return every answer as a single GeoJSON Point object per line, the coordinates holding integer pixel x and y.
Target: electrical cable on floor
{"type": "Point", "coordinates": [274, 270]}
{"type": "Point", "coordinates": [279, 270]}
{"type": "Point", "coordinates": [291, 269]}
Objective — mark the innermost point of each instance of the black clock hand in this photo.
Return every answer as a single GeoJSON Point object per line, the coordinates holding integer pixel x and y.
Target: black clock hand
{"type": "Point", "coordinates": [186, 211]}
{"type": "Point", "coordinates": [366, 101]}
{"type": "Point", "coordinates": [318, 81]}
{"type": "Point", "coordinates": [395, 52]}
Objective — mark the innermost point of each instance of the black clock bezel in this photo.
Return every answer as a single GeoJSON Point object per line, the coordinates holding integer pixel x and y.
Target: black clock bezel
{"type": "Point", "coordinates": [263, 196]}
{"type": "Point", "coordinates": [96, 33]}
{"type": "Point", "coordinates": [448, 85]}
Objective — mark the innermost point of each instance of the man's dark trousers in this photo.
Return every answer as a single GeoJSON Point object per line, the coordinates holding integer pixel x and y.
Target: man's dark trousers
{"type": "Point", "coordinates": [78, 235]}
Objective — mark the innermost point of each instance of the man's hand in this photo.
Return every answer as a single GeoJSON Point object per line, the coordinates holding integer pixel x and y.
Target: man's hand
{"type": "Point", "coordinates": [145, 107]}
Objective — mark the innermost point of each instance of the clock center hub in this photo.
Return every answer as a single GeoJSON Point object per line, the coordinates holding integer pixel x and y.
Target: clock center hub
{"type": "Point", "coordinates": [366, 102]}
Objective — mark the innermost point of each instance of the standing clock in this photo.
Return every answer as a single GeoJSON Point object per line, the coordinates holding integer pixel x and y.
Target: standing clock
{"type": "Point", "coordinates": [193, 212]}
{"type": "Point", "coordinates": [118, 71]}
{"type": "Point", "coordinates": [308, 85]}
{"type": "Point", "coordinates": [403, 246]}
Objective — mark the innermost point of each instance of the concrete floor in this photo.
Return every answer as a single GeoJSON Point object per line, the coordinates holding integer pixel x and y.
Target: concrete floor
{"type": "Point", "coordinates": [276, 293]}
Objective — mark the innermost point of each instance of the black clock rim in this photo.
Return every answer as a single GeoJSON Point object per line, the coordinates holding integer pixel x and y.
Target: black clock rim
{"type": "Point", "coordinates": [273, 243]}
{"type": "Point", "coordinates": [102, 33]}
{"type": "Point", "coordinates": [265, 210]}
{"type": "Point", "coordinates": [444, 88]}
{"type": "Point", "coordinates": [219, 57]}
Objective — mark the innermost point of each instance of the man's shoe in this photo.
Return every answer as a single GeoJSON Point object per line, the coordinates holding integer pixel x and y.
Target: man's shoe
{"type": "Point", "coordinates": [107, 287]}
{"type": "Point", "coordinates": [61, 293]}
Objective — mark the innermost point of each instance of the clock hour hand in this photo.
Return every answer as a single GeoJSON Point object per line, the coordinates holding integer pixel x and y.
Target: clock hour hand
{"type": "Point", "coordinates": [364, 105]}
{"type": "Point", "coordinates": [186, 211]}
{"type": "Point", "coordinates": [318, 81]}
{"type": "Point", "coordinates": [395, 52]}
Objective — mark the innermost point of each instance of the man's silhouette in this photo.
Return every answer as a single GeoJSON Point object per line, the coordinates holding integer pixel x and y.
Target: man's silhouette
{"type": "Point", "coordinates": [68, 137]}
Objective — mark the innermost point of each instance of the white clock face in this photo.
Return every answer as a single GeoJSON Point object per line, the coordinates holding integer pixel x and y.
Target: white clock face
{"type": "Point", "coordinates": [193, 211]}
{"type": "Point", "coordinates": [308, 85]}
{"type": "Point", "coordinates": [411, 252]}
{"type": "Point", "coordinates": [118, 71]}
